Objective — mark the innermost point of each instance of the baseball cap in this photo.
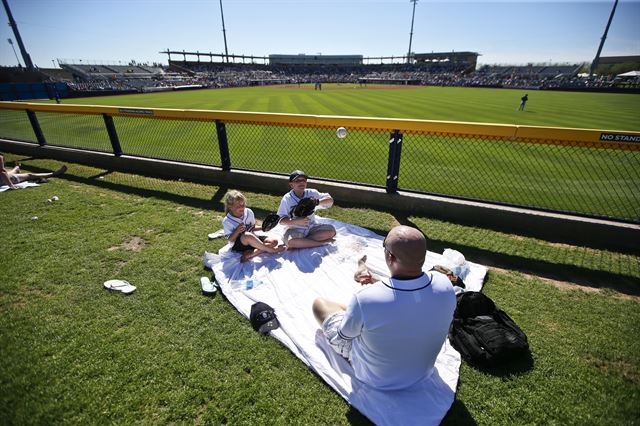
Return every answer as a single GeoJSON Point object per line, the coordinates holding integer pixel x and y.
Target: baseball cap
{"type": "Point", "coordinates": [295, 174]}
{"type": "Point", "coordinates": [263, 318]}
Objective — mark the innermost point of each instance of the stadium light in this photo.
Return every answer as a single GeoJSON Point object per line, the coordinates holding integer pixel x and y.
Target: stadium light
{"type": "Point", "coordinates": [14, 51]}
{"type": "Point", "coordinates": [411, 33]}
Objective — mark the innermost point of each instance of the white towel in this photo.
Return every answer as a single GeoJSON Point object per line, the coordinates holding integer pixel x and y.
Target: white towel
{"type": "Point", "coordinates": [291, 281]}
{"type": "Point", "coordinates": [20, 185]}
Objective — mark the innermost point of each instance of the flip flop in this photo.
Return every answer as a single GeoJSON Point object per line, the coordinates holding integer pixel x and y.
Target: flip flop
{"type": "Point", "coordinates": [119, 285]}
{"type": "Point", "coordinates": [217, 234]}
{"type": "Point", "coordinates": [208, 288]}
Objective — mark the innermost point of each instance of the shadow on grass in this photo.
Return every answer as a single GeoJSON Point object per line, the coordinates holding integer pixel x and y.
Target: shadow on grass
{"type": "Point", "coordinates": [458, 415]}
{"type": "Point", "coordinates": [215, 202]}
{"type": "Point", "coordinates": [355, 417]}
{"type": "Point", "coordinates": [506, 369]}
{"type": "Point", "coordinates": [560, 272]}
{"type": "Point", "coordinates": [541, 268]}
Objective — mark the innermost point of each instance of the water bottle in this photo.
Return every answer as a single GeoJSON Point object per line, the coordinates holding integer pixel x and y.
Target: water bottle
{"type": "Point", "coordinates": [237, 285]}
{"type": "Point", "coordinates": [247, 284]}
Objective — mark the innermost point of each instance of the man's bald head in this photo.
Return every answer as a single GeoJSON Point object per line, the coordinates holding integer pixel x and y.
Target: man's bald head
{"type": "Point", "coordinates": [408, 246]}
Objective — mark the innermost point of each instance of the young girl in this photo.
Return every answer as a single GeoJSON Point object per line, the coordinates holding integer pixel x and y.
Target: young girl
{"type": "Point", "coordinates": [239, 224]}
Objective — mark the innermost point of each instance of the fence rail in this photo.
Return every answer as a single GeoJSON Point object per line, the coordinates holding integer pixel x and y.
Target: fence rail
{"type": "Point", "coordinates": [587, 172]}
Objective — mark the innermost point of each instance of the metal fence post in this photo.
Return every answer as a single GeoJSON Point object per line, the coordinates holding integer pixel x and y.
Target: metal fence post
{"type": "Point", "coordinates": [36, 127]}
{"type": "Point", "coordinates": [113, 135]}
{"type": "Point", "coordinates": [393, 165]}
{"type": "Point", "coordinates": [225, 159]}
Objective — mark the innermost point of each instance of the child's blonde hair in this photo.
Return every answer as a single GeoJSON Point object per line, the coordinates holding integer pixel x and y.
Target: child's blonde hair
{"type": "Point", "coordinates": [232, 197]}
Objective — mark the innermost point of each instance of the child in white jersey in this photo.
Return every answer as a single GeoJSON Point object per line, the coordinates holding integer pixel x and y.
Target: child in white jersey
{"type": "Point", "coordinates": [239, 224]}
{"type": "Point", "coordinates": [304, 232]}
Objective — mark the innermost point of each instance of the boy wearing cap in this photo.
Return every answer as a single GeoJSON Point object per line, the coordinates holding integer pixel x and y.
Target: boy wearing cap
{"type": "Point", "coordinates": [304, 232]}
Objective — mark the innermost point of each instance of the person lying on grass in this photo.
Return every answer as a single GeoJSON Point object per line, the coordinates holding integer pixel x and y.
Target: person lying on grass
{"type": "Point", "coordinates": [12, 177]}
{"type": "Point", "coordinates": [239, 224]}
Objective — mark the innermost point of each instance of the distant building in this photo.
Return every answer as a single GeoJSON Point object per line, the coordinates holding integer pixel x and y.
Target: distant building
{"type": "Point", "coordinates": [470, 59]}
{"type": "Point", "coordinates": [614, 65]}
{"type": "Point", "coordinates": [303, 59]}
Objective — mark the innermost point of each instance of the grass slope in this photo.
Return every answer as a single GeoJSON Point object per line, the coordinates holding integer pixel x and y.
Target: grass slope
{"type": "Point", "coordinates": [73, 353]}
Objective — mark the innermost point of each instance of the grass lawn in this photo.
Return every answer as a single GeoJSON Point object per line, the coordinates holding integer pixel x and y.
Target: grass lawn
{"type": "Point", "coordinates": [71, 352]}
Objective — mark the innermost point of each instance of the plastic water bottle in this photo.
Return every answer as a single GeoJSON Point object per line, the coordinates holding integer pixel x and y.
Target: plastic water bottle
{"type": "Point", "coordinates": [237, 285]}
{"type": "Point", "coordinates": [247, 284]}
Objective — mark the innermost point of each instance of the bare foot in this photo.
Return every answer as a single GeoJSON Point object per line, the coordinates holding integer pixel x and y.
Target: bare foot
{"type": "Point", "coordinates": [362, 274]}
{"type": "Point", "coordinates": [270, 243]}
{"type": "Point", "coordinates": [280, 249]}
{"type": "Point", "coordinates": [249, 254]}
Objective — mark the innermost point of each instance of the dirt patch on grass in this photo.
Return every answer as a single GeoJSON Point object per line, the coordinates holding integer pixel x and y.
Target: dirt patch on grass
{"type": "Point", "coordinates": [568, 286]}
{"type": "Point", "coordinates": [626, 369]}
{"type": "Point", "coordinates": [135, 244]}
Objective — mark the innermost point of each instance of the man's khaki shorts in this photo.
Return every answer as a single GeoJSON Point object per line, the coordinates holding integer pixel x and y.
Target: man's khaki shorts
{"type": "Point", "coordinates": [330, 328]}
{"type": "Point", "coordinates": [295, 233]}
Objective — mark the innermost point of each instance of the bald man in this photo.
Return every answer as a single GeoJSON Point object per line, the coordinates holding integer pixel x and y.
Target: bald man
{"type": "Point", "coordinates": [393, 329]}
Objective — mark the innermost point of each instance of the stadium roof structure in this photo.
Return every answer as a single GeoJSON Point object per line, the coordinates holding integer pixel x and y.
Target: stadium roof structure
{"type": "Point", "coordinates": [442, 56]}
{"type": "Point", "coordinates": [470, 58]}
{"type": "Point", "coordinates": [303, 59]}
{"type": "Point", "coordinates": [630, 74]}
{"type": "Point", "coordinates": [618, 59]}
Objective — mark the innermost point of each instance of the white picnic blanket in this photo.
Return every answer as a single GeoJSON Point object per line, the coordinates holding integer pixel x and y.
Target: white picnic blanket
{"type": "Point", "coordinates": [20, 185]}
{"type": "Point", "coordinates": [289, 282]}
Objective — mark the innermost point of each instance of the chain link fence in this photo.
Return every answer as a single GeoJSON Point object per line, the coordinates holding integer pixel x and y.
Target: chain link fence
{"type": "Point", "coordinates": [559, 170]}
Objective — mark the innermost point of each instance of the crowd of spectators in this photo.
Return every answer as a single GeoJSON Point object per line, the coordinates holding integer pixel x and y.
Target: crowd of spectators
{"type": "Point", "coordinates": [221, 75]}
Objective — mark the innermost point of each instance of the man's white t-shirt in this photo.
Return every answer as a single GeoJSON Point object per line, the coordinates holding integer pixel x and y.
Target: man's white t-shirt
{"type": "Point", "coordinates": [398, 328]}
{"type": "Point", "coordinates": [230, 222]}
{"type": "Point", "coordinates": [290, 200]}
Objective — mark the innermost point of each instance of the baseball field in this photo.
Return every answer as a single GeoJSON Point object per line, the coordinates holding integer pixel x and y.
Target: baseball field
{"type": "Point", "coordinates": [545, 108]}
{"type": "Point", "coordinates": [73, 353]}
{"type": "Point", "coordinates": [550, 176]}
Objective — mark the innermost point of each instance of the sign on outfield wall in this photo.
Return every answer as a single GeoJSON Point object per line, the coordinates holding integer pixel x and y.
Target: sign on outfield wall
{"type": "Point", "coordinates": [619, 137]}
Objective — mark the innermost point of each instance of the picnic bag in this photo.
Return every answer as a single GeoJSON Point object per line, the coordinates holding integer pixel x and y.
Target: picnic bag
{"type": "Point", "coordinates": [483, 334]}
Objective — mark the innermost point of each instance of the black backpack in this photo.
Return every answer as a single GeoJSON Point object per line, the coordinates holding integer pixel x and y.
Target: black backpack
{"type": "Point", "coordinates": [483, 334]}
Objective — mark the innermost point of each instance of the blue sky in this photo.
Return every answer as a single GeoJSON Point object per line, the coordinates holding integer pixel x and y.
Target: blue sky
{"type": "Point", "coordinates": [503, 32]}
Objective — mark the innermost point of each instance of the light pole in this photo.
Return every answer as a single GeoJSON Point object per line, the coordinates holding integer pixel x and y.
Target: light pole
{"type": "Point", "coordinates": [12, 23]}
{"type": "Point", "coordinates": [413, 15]}
{"type": "Point", "coordinates": [14, 52]}
{"type": "Point", "coordinates": [224, 34]}
{"type": "Point", "coordinates": [596, 60]}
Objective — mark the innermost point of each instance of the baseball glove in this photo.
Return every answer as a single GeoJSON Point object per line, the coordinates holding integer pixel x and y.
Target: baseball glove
{"type": "Point", "coordinates": [270, 222]}
{"type": "Point", "coordinates": [305, 207]}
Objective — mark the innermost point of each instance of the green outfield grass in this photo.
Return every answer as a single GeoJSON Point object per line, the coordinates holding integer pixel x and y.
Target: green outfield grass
{"type": "Point", "coordinates": [587, 181]}
{"type": "Point", "coordinates": [545, 108]}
